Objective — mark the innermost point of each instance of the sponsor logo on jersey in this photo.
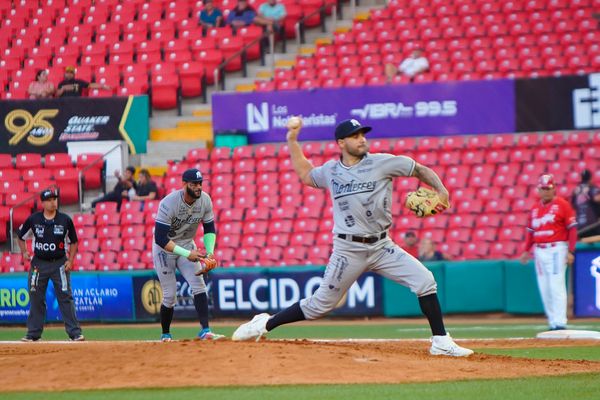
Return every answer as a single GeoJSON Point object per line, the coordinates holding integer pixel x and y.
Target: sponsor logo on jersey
{"type": "Point", "coordinates": [347, 189]}
{"type": "Point", "coordinates": [586, 104]}
{"type": "Point", "coordinates": [344, 205]}
{"type": "Point", "coordinates": [349, 220]}
{"type": "Point", "coordinates": [45, 246]}
{"type": "Point", "coordinates": [39, 231]}
{"type": "Point", "coordinates": [59, 230]}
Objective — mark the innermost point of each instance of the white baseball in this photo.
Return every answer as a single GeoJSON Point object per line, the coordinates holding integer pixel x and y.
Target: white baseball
{"type": "Point", "coordinates": [294, 122]}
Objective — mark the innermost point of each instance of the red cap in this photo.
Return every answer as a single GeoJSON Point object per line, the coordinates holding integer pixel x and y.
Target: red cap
{"type": "Point", "coordinates": [546, 182]}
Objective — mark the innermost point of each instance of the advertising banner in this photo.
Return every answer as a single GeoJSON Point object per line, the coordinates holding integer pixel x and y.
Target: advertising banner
{"type": "Point", "coordinates": [248, 293]}
{"type": "Point", "coordinates": [14, 298]}
{"type": "Point", "coordinates": [557, 103]}
{"type": "Point", "coordinates": [97, 297]}
{"type": "Point", "coordinates": [444, 108]}
{"type": "Point", "coordinates": [586, 283]}
{"type": "Point", "coordinates": [148, 297]}
{"type": "Point", "coordinates": [45, 126]}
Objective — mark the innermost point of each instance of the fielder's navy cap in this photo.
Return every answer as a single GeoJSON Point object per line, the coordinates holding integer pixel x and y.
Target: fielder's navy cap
{"type": "Point", "coordinates": [192, 175]}
{"type": "Point", "coordinates": [348, 128]}
{"type": "Point", "coordinates": [49, 194]}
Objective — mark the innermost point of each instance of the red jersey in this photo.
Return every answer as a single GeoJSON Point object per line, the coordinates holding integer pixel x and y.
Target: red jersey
{"type": "Point", "coordinates": [412, 250]}
{"type": "Point", "coordinates": [551, 222]}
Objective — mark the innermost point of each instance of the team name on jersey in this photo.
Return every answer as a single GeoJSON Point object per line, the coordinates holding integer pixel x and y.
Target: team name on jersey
{"type": "Point", "coordinates": [537, 222]}
{"type": "Point", "coordinates": [550, 217]}
{"type": "Point", "coordinates": [346, 189]}
{"type": "Point", "coordinates": [176, 223]}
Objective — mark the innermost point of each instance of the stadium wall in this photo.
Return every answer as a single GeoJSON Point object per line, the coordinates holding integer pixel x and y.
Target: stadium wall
{"type": "Point", "coordinates": [464, 287]}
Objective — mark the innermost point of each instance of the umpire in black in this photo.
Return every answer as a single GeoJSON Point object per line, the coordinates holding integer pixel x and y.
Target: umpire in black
{"type": "Point", "coordinates": [51, 232]}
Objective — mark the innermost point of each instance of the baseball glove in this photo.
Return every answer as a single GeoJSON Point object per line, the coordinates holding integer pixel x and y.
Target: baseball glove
{"type": "Point", "coordinates": [425, 202]}
{"type": "Point", "coordinates": [206, 264]}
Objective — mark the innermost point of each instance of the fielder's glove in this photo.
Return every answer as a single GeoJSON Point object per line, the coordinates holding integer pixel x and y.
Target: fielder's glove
{"type": "Point", "coordinates": [206, 264]}
{"type": "Point", "coordinates": [425, 202]}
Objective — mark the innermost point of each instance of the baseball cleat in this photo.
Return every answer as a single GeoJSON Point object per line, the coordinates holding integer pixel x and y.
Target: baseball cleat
{"type": "Point", "coordinates": [78, 338]}
{"type": "Point", "coordinates": [166, 337]}
{"type": "Point", "coordinates": [28, 339]}
{"type": "Point", "coordinates": [445, 346]}
{"type": "Point", "coordinates": [207, 334]}
{"type": "Point", "coordinates": [253, 329]}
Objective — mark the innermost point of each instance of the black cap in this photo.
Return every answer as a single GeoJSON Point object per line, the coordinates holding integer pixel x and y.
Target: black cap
{"type": "Point", "coordinates": [410, 234]}
{"type": "Point", "coordinates": [348, 128]}
{"type": "Point", "coordinates": [192, 175]}
{"type": "Point", "coordinates": [49, 194]}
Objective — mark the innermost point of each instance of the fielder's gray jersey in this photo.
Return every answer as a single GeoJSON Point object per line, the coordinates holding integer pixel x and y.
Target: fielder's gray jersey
{"type": "Point", "coordinates": [362, 193]}
{"type": "Point", "coordinates": [184, 218]}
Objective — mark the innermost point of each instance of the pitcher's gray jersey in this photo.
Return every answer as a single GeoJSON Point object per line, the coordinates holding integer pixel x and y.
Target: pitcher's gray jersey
{"type": "Point", "coordinates": [183, 218]}
{"type": "Point", "coordinates": [362, 193]}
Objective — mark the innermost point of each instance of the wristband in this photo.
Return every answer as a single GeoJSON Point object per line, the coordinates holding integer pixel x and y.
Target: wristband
{"type": "Point", "coordinates": [209, 242]}
{"type": "Point", "coordinates": [180, 251]}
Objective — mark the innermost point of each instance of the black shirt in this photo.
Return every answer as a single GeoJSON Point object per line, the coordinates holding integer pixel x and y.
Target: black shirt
{"type": "Point", "coordinates": [587, 210]}
{"type": "Point", "coordinates": [79, 86]}
{"type": "Point", "coordinates": [146, 189]}
{"type": "Point", "coordinates": [49, 234]}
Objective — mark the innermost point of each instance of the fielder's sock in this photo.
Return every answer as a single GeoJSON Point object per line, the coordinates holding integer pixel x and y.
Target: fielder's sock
{"type": "Point", "coordinates": [201, 304]}
{"type": "Point", "coordinates": [291, 314]}
{"type": "Point", "coordinates": [166, 316]}
{"type": "Point", "coordinates": [430, 306]}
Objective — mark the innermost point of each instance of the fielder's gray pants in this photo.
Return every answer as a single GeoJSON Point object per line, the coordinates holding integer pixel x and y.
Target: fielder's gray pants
{"type": "Point", "coordinates": [166, 264]}
{"type": "Point", "coordinates": [37, 284]}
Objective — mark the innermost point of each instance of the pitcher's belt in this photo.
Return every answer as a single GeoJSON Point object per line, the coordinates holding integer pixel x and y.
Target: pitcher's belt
{"type": "Point", "coordinates": [363, 239]}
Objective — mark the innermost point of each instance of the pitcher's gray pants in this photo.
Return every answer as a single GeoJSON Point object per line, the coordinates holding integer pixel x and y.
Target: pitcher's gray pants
{"type": "Point", "coordinates": [350, 259]}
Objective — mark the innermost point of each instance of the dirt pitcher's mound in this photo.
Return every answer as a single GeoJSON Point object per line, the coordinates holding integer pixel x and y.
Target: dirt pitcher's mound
{"type": "Point", "coordinates": [101, 365]}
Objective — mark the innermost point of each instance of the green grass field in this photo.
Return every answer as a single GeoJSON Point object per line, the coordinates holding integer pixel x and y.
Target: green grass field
{"type": "Point", "coordinates": [581, 386]}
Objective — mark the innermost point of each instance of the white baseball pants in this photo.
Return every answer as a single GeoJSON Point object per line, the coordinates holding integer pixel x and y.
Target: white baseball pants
{"type": "Point", "coordinates": [550, 268]}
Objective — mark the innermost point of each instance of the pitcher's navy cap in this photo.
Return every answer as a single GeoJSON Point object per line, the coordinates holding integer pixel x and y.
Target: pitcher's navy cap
{"type": "Point", "coordinates": [49, 194]}
{"type": "Point", "coordinates": [192, 175]}
{"type": "Point", "coordinates": [348, 128]}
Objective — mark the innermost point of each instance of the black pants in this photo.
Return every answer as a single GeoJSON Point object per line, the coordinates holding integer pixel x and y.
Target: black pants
{"type": "Point", "coordinates": [113, 196]}
{"type": "Point", "coordinates": [37, 284]}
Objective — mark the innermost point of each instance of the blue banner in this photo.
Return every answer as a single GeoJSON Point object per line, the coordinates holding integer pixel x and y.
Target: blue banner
{"type": "Point", "coordinates": [98, 297]}
{"type": "Point", "coordinates": [270, 291]}
{"type": "Point", "coordinates": [587, 283]}
{"type": "Point", "coordinates": [443, 108]}
{"type": "Point", "coordinates": [14, 298]}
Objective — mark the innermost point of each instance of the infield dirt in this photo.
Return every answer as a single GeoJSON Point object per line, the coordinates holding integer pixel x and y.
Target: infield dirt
{"type": "Point", "coordinates": [48, 366]}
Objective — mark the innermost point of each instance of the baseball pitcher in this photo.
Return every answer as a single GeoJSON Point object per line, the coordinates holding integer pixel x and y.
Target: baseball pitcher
{"type": "Point", "coordinates": [179, 215]}
{"type": "Point", "coordinates": [360, 185]}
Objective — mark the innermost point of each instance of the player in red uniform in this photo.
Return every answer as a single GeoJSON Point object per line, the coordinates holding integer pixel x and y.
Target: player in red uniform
{"type": "Point", "coordinates": [551, 228]}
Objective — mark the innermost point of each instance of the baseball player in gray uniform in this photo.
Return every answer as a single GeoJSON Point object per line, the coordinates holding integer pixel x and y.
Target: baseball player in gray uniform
{"type": "Point", "coordinates": [177, 220]}
{"type": "Point", "coordinates": [361, 189]}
